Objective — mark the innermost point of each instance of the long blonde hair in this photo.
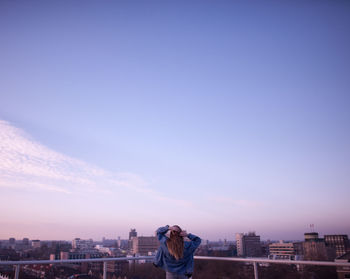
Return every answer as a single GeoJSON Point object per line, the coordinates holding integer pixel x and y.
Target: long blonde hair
{"type": "Point", "coordinates": [176, 244]}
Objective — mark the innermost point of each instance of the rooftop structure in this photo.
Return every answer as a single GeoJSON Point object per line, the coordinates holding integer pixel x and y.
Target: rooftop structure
{"type": "Point", "coordinates": [132, 233]}
{"type": "Point", "coordinates": [311, 236]}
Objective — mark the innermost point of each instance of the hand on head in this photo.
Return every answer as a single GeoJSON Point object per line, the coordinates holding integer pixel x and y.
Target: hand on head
{"type": "Point", "coordinates": [183, 233]}
{"type": "Point", "coordinates": [177, 229]}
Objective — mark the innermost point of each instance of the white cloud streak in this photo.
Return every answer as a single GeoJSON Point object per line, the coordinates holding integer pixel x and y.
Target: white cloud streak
{"type": "Point", "coordinates": [27, 164]}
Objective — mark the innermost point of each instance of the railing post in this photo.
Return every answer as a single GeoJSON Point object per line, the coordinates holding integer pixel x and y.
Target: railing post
{"type": "Point", "coordinates": [104, 270]}
{"type": "Point", "coordinates": [17, 271]}
{"type": "Point", "coordinates": [256, 275]}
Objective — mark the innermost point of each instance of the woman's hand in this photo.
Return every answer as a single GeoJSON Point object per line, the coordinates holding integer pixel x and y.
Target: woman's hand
{"type": "Point", "coordinates": [175, 229]}
{"type": "Point", "coordinates": [183, 233]}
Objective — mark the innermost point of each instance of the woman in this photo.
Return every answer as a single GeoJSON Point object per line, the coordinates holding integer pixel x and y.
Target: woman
{"type": "Point", "coordinates": [175, 255]}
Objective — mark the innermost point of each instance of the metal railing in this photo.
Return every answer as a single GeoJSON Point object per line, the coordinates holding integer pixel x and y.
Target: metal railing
{"type": "Point", "coordinates": [253, 261]}
{"type": "Point", "coordinates": [17, 264]}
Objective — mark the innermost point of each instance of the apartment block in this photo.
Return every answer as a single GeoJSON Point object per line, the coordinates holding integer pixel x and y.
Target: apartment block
{"type": "Point", "coordinates": [339, 242]}
{"type": "Point", "coordinates": [248, 245]}
{"type": "Point", "coordinates": [143, 245]}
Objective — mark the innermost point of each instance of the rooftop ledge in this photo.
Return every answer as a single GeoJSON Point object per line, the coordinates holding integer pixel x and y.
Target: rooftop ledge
{"type": "Point", "coordinates": [254, 261]}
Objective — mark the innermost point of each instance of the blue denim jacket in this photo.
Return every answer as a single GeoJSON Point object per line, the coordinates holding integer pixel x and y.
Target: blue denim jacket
{"type": "Point", "coordinates": [164, 260]}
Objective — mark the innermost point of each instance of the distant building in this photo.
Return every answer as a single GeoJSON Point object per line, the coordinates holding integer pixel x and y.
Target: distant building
{"type": "Point", "coordinates": [36, 244]}
{"type": "Point", "coordinates": [343, 272]}
{"type": "Point", "coordinates": [314, 248]}
{"type": "Point", "coordinates": [248, 245]}
{"type": "Point", "coordinates": [111, 251]}
{"type": "Point", "coordinates": [311, 236]}
{"type": "Point", "coordinates": [132, 233]}
{"type": "Point", "coordinates": [75, 243]}
{"type": "Point", "coordinates": [124, 244]}
{"type": "Point", "coordinates": [83, 267]}
{"type": "Point", "coordinates": [282, 251]}
{"type": "Point", "coordinates": [81, 244]}
{"type": "Point", "coordinates": [298, 248]}
{"type": "Point", "coordinates": [239, 244]}
{"type": "Point", "coordinates": [117, 266]}
{"type": "Point", "coordinates": [76, 255]}
{"type": "Point", "coordinates": [12, 242]}
{"type": "Point", "coordinates": [265, 248]}
{"type": "Point", "coordinates": [25, 241]}
{"type": "Point", "coordinates": [340, 242]}
{"type": "Point", "coordinates": [143, 245]}
{"type": "Point", "coordinates": [109, 242]}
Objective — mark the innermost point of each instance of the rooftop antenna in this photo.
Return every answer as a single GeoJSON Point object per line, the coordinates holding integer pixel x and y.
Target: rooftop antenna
{"type": "Point", "coordinates": [312, 227]}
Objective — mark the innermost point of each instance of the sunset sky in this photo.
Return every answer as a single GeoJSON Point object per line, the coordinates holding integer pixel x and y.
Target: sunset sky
{"type": "Point", "coordinates": [220, 116]}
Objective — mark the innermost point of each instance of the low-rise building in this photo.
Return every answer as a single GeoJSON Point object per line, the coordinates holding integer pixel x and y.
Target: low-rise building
{"type": "Point", "coordinates": [143, 245]}
{"type": "Point", "coordinates": [82, 244]}
{"type": "Point", "coordinates": [36, 244]}
{"type": "Point", "coordinates": [282, 251]}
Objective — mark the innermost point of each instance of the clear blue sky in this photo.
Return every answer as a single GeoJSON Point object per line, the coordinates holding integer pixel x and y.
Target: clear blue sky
{"type": "Point", "coordinates": [220, 116]}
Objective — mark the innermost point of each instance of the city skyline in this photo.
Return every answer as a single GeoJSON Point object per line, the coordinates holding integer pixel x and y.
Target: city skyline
{"type": "Point", "coordinates": [124, 237]}
{"type": "Point", "coordinates": [221, 117]}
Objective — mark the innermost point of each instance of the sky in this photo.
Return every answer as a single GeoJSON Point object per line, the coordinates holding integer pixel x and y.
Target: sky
{"type": "Point", "coordinates": [219, 116]}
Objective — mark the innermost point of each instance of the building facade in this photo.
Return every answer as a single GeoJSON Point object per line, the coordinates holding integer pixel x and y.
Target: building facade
{"type": "Point", "coordinates": [132, 233]}
{"type": "Point", "coordinates": [314, 248]}
{"type": "Point", "coordinates": [281, 251]}
{"type": "Point", "coordinates": [339, 242]}
{"type": "Point", "coordinates": [82, 244]}
{"type": "Point", "coordinates": [248, 245]}
{"type": "Point", "coordinates": [143, 245]}
{"type": "Point", "coordinates": [239, 244]}
{"type": "Point", "coordinates": [36, 244]}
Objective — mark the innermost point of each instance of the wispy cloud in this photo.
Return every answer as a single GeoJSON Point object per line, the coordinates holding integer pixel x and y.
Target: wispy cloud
{"type": "Point", "coordinates": [26, 163]}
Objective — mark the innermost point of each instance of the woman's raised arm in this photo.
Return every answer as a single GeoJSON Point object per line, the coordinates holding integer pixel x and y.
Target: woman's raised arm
{"type": "Point", "coordinates": [161, 232]}
{"type": "Point", "coordinates": [195, 241]}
